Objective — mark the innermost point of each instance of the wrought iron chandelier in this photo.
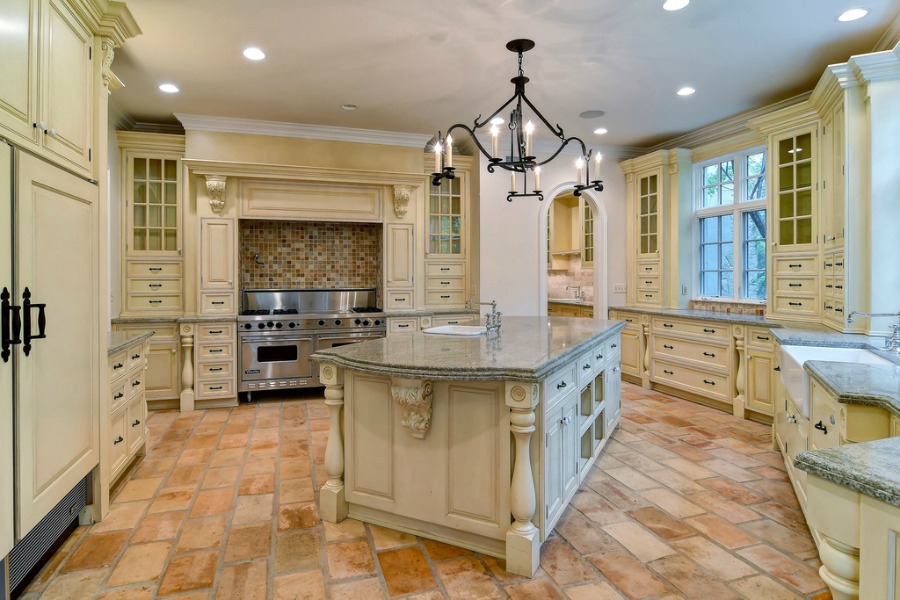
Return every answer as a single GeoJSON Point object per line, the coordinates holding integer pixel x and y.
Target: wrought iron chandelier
{"type": "Point", "coordinates": [521, 158]}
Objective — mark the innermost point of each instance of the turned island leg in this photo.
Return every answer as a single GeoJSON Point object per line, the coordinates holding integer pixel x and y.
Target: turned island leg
{"type": "Point", "coordinates": [331, 497]}
{"type": "Point", "coordinates": [523, 541]}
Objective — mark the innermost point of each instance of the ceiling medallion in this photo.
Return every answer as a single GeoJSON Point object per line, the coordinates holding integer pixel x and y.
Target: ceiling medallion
{"type": "Point", "coordinates": [520, 159]}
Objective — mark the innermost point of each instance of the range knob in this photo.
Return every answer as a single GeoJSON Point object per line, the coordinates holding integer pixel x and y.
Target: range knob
{"type": "Point", "coordinates": [320, 322]}
{"type": "Point", "coordinates": [261, 325]}
{"type": "Point", "coordinates": [270, 324]}
{"type": "Point", "coordinates": [378, 321]}
{"type": "Point", "coordinates": [357, 321]}
{"type": "Point", "coordinates": [248, 325]}
{"type": "Point", "coordinates": [279, 325]}
{"type": "Point", "coordinates": [366, 322]}
{"type": "Point", "coordinates": [337, 321]}
{"type": "Point", "coordinates": [292, 324]}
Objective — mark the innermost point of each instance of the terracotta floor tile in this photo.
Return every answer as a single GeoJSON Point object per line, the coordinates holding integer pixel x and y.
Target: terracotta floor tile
{"type": "Point", "coordinates": [676, 481]}
{"type": "Point", "coordinates": [405, 570]}
{"type": "Point", "coordinates": [261, 465]}
{"type": "Point", "coordinates": [121, 516]}
{"type": "Point", "coordinates": [227, 458]}
{"type": "Point", "coordinates": [733, 490]}
{"type": "Point", "coordinates": [347, 529]}
{"type": "Point", "coordinates": [80, 584]}
{"type": "Point", "coordinates": [791, 518]}
{"type": "Point", "coordinates": [776, 490]}
{"type": "Point", "coordinates": [763, 588]}
{"type": "Point", "coordinates": [593, 591]}
{"type": "Point", "coordinates": [722, 532]}
{"type": "Point", "coordinates": [630, 576]}
{"type": "Point", "coordinates": [139, 489]}
{"type": "Point", "coordinates": [784, 568]}
{"type": "Point", "coordinates": [467, 579]}
{"type": "Point", "coordinates": [185, 475]}
{"type": "Point", "coordinates": [201, 534]}
{"type": "Point", "coordinates": [385, 538]}
{"type": "Point", "coordinates": [296, 490]}
{"type": "Point", "coordinates": [661, 523]}
{"type": "Point", "coordinates": [563, 564]}
{"type": "Point", "coordinates": [158, 527]}
{"type": "Point", "coordinates": [220, 477]}
{"type": "Point", "coordinates": [632, 478]}
{"type": "Point", "coordinates": [248, 541]}
{"type": "Point", "coordinates": [673, 503]}
{"type": "Point", "coordinates": [291, 469]}
{"type": "Point", "coordinates": [714, 559]}
{"type": "Point", "coordinates": [257, 484]}
{"type": "Point", "coordinates": [295, 550]}
{"type": "Point", "coordinates": [239, 440]}
{"type": "Point", "coordinates": [619, 495]}
{"type": "Point", "coordinates": [187, 573]}
{"type": "Point", "coordinates": [203, 441]}
{"type": "Point", "coordinates": [585, 536]}
{"type": "Point", "coordinates": [639, 462]}
{"type": "Point", "coordinates": [141, 562]}
{"type": "Point", "coordinates": [729, 470]}
{"type": "Point", "coordinates": [364, 589]}
{"type": "Point", "coordinates": [597, 508]}
{"type": "Point", "coordinates": [637, 540]}
{"type": "Point", "coordinates": [351, 559]}
{"type": "Point", "coordinates": [298, 516]}
{"type": "Point", "coordinates": [689, 469]}
{"type": "Point", "coordinates": [213, 502]}
{"type": "Point", "coordinates": [690, 580]}
{"type": "Point", "coordinates": [154, 467]}
{"type": "Point", "coordinates": [780, 536]}
{"type": "Point", "coordinates": [536, 589]}
{"type": "Point", "coordinates": [251, 509]}
{"type": "Point", "coordinates": [96, 550]}
{"type": "Point", "coordinates": [244, 581]}
{"type": "Point", "coordinates": [144, 592]}
{"type": "Point", "coordinates": [170, 500]}
{"type": "Point", "coordinates": [722, 506]}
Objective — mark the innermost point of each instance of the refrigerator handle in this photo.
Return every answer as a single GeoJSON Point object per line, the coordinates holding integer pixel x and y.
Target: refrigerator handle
{"type": "Point", "coordinates": [27, 336]}
{"type": "Point", "coordinates": [10, 324]}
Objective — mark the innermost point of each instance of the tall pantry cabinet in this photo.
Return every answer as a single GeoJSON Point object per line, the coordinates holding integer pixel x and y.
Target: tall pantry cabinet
{"type": "Point", "coordinates": [53, 282]}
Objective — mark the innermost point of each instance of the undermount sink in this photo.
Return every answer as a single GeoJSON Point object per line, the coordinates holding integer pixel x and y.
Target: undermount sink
{"type": "Point", "coordinates": [464, 330]}
{"type": "Point", "coordinates": [795, 378]}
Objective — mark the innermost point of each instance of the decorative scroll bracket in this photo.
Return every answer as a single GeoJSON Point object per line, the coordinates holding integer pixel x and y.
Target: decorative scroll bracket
{"type": "Point", "coordinates": [109, 53]}
{"type": "Point", "coordinates": [414, 397]}
{"type": "Point", "coordinates": [402, 194]}
{"type": "Point", "coordinates": [215, 187]}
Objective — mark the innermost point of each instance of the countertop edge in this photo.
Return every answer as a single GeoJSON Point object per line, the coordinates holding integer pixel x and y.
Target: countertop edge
{"type": "Point", "coordinates": [131, 340]}
{"type": "Point", "coordinates": [889, 403]}
{"type": "Point", "coordinates": [702, 315]}
{"type": "Point", "coordinates": [880, 488]}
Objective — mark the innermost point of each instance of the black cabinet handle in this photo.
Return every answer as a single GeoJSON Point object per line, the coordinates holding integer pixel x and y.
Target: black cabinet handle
{"type": "Point", "coordinates": [828, 307]}
{"type": "Point", "coordinates": [708, 382]}
{"type": "Point", "coordinates": [399, 299]}
{"type": "Point", "coordinates": [214, 331]}
{"type": "Point", "coordinates": [647, 282]}
{"type": "Point", "coordinates": [705, 330]}
{"type": "Point", "coordinates": [136, 423]}
{"type": "Point", "coordinates": [118, 440]}
{"type": "Point", "coordinates": [800, 285]}
{"type": "Point", "coordinates": [445, 297]}
{"type": "Point", "coordinates": [599, 356]}
{"type": "Point", "coordinates": [839, 264]}
{"type": "Point", "coordinates": [667, 372]}
{"type": "Point", "coordinates": [154, 285]}
{"type": "Point", "coordinates": [136, 383]}
{"type": "Point", "coordinates": [445, 283]}
{"type": "Point", "coordinates": [218, 302]}
{"type": "Point", "coordinates": [762, 337]}
{"type": "Point", "coordinates": [403, 325]}
{"type": "Point", "coordinates": [840, 310]}
{"type": "Point", "coordinates": [155, 269]}
{"type": "Point", "coordinates": [215, 369]}
{"type": "Point", "coordinates": [797, 266]}
{"type": "Point", "coordinates": [795, 304]}
{"type": "Point", "coordinates": [668, 325]}
{"type": "Point", "coordinates": [648, 268]}
{"type": "Point", "coordinates": [778, 369]}
{"type": "Point", "coordinates": [154, 301]}
{"type": "Point", "coordinates": [135, 356]}
{"type": "Point", "coordinates": [118, 395]}
{"type": "Point", "coordinates": [11, 324]}
{"type": "Point", "coordinates": [452, 322]}
{"type": "Point", "coordinates": [840, 287]}
{"type": "Point", "coordinates": [215, 387]}
{"type": "Point", "coordinates": [709, 354]}
{"type": "Point", "coordinates": [586, 366]}
{"type": "Point", "coordinates": [829, 286]}
{"type": "Point", "coordinates": [648, 295]}
{"type": "Point", "coordinates": [629, 320]}
{"type": "Point", "coordinates": [668, 347]}
{"type": "Point", "coordinates": [614, 346]}
{"type": "Point", "coordinates": [27, 336]}
{"type": "Point", "coordinates": [828, 264]}
{"type": "Point", "coordinates": [561, 385]}
{"type": "Point", "coordinates": [117, 366]}
{"type": "Point", "coordinates": [215, 350]}
{"type": "Point", "coordinates": [821, 427]}
{"type": "Point", "coordinates": [445, 268]}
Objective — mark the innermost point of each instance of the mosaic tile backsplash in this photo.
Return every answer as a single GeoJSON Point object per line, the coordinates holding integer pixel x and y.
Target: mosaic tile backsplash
{"type": "Point", "coordinates": [305, 255]}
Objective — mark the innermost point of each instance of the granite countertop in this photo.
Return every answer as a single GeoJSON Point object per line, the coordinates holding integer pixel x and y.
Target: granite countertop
{"type": "Point", "coordinates": [869, 468]}
{"type": "Point", "coordinates": [702, 315]}
{"type": "Point", "coordinates": [119, 340]}
{"type": "Point", "coordinates": [431, 312]}
{"type": "Point", "coordinates": [171, 319]}
{"type": "Point", "coordinates": [527, 349]}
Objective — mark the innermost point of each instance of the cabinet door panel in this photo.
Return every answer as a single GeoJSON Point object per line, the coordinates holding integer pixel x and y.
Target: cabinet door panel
{"type": "Point", "coordinates": [400, 255]}
{"type": "Point", "coordinates": [217, 264]}
{"type": "Point", "coordinates": [161, 379]}
{"type": "Point", "coordinates": [759, 382]}
{"type": "Point", "coordinates": [57, 415]}
{"type": "Point", "coordinates": [18, 63]}
{"type": "Point", "coordinates": [6, 368]}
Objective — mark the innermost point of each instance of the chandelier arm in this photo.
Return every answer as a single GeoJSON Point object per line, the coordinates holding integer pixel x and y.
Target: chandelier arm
{"type": "Point", "coordinates": [495, 113]}
{"type": "Point", "coordinates": [561, 148]}
{"type": "Point", "coordinates": [472, 135]}
{"type": "Point", "coordinates": [555, 130]}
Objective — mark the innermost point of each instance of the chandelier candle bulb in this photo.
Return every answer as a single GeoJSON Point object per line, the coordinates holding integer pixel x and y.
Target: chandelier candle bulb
{"type": "Point", "coordinates": [495, 141]}
{"type": "Point", "coordinates": [437, 157]}
{"type": "Point", "coordinates": [537, 179]}
{"type": "Point", "coordinates": [512, 181]}
{"type": "Point", "coordinates": [529, 131]}
{"type": "Point", "coordinates": [597, 165]}
{"type": "Point", "coordinates": [578, 165]}
{"type": "Point", "coordinates": [449, 151]}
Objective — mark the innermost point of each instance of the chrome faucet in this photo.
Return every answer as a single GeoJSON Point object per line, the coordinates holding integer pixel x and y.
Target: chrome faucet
{"type": "Point", "coordinates": [891, 342]}
{"type": "Point", "coordinates": [577, 288]}
{"type": "Point", "coordinates": [492, 319]}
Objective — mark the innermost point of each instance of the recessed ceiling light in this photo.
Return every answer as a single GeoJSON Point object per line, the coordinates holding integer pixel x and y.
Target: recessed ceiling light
{"type": "Point", "coordinates": [686, 91]}
{"type": "Point", "coordinates": [497, 121]}
{"type": "Point", "coordinates": [169, 88]}
{"type": "Point", "coordinates": [254, 53]}
{"type": "Point", "coordinates": [348, 106]}
{"type": "Point", "coordinates": [852, 14]}
{"type": "Point", "coordinates": [592, 114]}
{"type": "Point", "coordinates": [675, 4]}
{"type": "Point", "coordinates": [601, 131]}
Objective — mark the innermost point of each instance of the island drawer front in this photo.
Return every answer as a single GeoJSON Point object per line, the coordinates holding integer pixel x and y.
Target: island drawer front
{"type": "Point", "coordinates": [801, 305]}
{"type": "Point", "coordinates": [632, 320]}
{"type": "Point", "coordinates": [118, 395]}
{"type": "Point", "coordinates": [444, 269]}
{"type": "Point", "coordinates": [216, 332]}
{"type": "Point", "coordinates": [403, 325]}
{"type": "Point", "coordinates": [760, 337]}
{"type": "Point", "coordinates": [584, 367]}
{"type": "Point", "coordinates": [600, 353]}
{"type": "Point", "coordinates": [440, 320]}
{"type": "Point", "coordinates": [675, 348]}
{"type": "Point", "coordinates": [396, 299]}
{"type": "Point", "coordinates": [118, 365]}
{"type": "Point", "coordinates": [827, 419]}
{"type": "Point", "coordinates": [705, 330]}
{"type": "Point", "coordinates": [839, 268]}
{"type": "Point", "coordinates": [796, 266]}
{"type": "Point", "coordinates": [560, 383]}
{"type": "Point", "coordinates": [136, 356]}
{"type": "Point", "coordinates": [711, 385]}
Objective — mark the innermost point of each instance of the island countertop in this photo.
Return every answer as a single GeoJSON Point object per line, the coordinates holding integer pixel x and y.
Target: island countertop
{"type": "Point", "coordinates": [526, 349]}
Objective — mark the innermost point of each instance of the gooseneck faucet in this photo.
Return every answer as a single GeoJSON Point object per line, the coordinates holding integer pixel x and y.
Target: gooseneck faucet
{"type": "Point", "coordinates": [491, 320]}
{"type": "Point", "coordinates": [891, 342]}
{"type": "Point", "coordinates": [577, 288]}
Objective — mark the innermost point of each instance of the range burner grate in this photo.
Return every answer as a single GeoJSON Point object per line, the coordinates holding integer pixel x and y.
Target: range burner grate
{"type": "Point", "coordinates": [366, 309]}
{"type": "Point", "coordinates": [250, 312]}
{"type": "Point", "coordinates": [285, 311]}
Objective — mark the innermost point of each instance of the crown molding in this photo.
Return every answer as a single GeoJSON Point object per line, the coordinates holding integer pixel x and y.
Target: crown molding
{"type": "Point", "coordinates": [158, 142]}
{"type": "Point", "coordinates": [108, 18]}
{"type": "Point", "coordinates": [891, 36]}
{"type": "Point", "coordinates": [298, 130]}
{"type": "Point", "coordinates": [878, 66]}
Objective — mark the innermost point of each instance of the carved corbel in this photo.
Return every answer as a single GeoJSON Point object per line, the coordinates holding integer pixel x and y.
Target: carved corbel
{"type": "Point", "coordinates": [108, 48]}
{"type": "Point", "coordinates": [414, 397]}
{"type": "Point", "coordinates": [402, 194]}
{"type": "Point", "coordinates": [215, 187]}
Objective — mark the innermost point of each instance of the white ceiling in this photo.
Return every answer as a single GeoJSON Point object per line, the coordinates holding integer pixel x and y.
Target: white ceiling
{"type": "Point", "coordinates": [421, 65]}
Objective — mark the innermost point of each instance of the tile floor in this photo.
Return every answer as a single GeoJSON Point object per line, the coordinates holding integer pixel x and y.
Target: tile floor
{"type": "Point", "coordinates": [686, 502]}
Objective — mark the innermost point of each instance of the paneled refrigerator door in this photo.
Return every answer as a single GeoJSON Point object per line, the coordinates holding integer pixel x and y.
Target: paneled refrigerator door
{"type": "Point", "coordinates": [6, 363]}
{"type": "Point", "coordinates": [57, 371]}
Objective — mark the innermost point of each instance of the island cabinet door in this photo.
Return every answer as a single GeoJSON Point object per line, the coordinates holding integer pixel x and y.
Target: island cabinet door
{"type": "Point", "coordinates": [560, 458]}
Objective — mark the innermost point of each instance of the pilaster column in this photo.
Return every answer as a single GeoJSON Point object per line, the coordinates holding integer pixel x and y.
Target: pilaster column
{"type": "Point", "coordinates": [739, 404]}
{"type": "Point", "coordinates": [523, 539]}
{"type": "Point", "coordinates": [331, 497]}
{"type": "Point", "coordinates": [187, 367]}
{"type": "Point", "coordinates": [645, 340]}
{"type": "Point", "coordinates": [840, 568]}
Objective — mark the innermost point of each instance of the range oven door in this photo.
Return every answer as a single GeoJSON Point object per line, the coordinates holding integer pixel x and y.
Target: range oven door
{"type": "Point", "coordinates": [333, 340]}
{"type": "Point", "coordinates": [283, 358]}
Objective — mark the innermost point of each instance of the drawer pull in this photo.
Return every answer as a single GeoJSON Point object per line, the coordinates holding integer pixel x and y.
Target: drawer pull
{"type": "Point", "coordinates": [445, 297]}
{"type": "Point", "coordinates": [668, 347]}
{"type": "Point", "coordinates": [218, 302]}
{"type": "Point", "coordinates": [118, 440]}
{"type": "Point", "coordinates": [840, 310]}
{"type": "Point", "coordinates": [667, 372]}
{"type": "Point", "coordinates": [214, 331]}
{"type": "Point", "coordinates": [648, 268]}
{"type": "Point", "coordinates": [118, 395]}
{"type": "Point", "coordinates": [403, 325]}
{"type": "Point", "coordinates": [800, 285]}
{"type": "Point", "coordinates": [839, 264]}
{"type": "Point", "coordinates": [215, 350]}
{"type": "Point", "coordinates": [136, 383]}
{"type": "Point", "coordinates": [821, 427]}
{"type": "Point", "coordinates": [155, 269]}
{"type": "Point", "coordinates": [586, 366]}
{"type": "Point", "coordinates": [828, 264]}
{"type": "Point", "coordinates": [709, 354]}
{"type": "Point", "coordinates": [708, 382]}
{"type": "Point", "coordinates": [778, 369]}
{"type": "Point", "coordinates": [762, 337]}
{"type": "Point", "coordinates": [215, 369]}
{"type": "Point", "coordinates": [135, 356]}
{"type": "Point", "coordinates": [452, 322]}
{"type": "Point", "coordinates": [136, 423]}
{"type": "Point", "coordinates": [840, 287]}
{"type": "Point", "coordinates": [795, 266]}
{"type": "Point", "coordinates": [445, 283]}
{"type": "Point", "coordinates": [117, 366]}
{"type": "Point", "coordinates": [561, 385]}
{"type": "Point", "coordinates": [648, 295]}
{"type": "Point", "coordinates": [829, 286]}
{"type": "Point", "coordinates": [668, 325]}
{"type": "Point", "coordinates": [399, 299]}
{"type": "Point", "coordinates": [154, 285]}
{"type": "Point", "coordinates": [795, 304]}
{"type": "Point", "coordinates": [613, 345]}
{"type": "Point", "coordinates": [705, 330]}
{"type": "Point", "coordinates": [599, 357]}
{"type": "Point", "coordinates": [445, 268]}
{"type": "Point", "coordinates": [215, 387]}
{"type": "Point", "coordinates": [828, 307]}
{"type": "Point", "coordinates": [648, 282]}
{"type": "Point", "coordinates": [629, 320]}
{"type": "Point", "coordinates": [155, 301]}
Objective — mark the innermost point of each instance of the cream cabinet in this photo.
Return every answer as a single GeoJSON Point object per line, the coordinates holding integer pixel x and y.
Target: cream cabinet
{"type": "Point", "coordinates": [128, 408]}
{"type": "Point", "coordinates": [218, 267]}
{"type": "Point", "coordinates": [47, 100]}
{"type": "Point", "coordinates": [564, 309]}
{"type": "Point", "coordinates": [407, 324]}
{"type": "Point", "coordinates": [447, 243]}
{"type": "Point", "coordinates": [216, 358]}
{"type": "Point", "coordinates": [400, 266]}
{"type": "Point", "coordinates": [162, 380]}
{"type": "Point", "coordinates": [632, 342]}
{"type": "Point", "coordinates": [760, 371]}
{"type": "Point", "coordinates": [460, 319]}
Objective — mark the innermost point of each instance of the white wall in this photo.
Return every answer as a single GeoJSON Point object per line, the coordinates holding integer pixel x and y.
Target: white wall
{"type": "Point", "coordinates": [514, 237]}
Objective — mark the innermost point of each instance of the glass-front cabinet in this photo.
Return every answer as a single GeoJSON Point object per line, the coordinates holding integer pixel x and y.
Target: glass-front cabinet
{"type": "Point", "coordinates": [795, 190]}
{"type": "Point", "coordinates": [154, 217]}
{"type": "Point", "coordinates": [446, 240]}
{"type": "Point", "coordinates": [445, 217]}
{"type": "Point", "coordinates": [587, 233]}
{"type": "Point", "coordinates": [648, 214]}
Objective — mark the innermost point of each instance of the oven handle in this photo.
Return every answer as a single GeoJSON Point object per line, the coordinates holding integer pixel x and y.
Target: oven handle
{"type": "Point", "coordinates": [353, 336]}
{"type": "Point", "coordinates": [272, 339]}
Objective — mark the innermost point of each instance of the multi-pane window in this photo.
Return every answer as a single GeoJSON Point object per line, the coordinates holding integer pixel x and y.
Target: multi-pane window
{"type": "Point", "coordinates": [731, 225]}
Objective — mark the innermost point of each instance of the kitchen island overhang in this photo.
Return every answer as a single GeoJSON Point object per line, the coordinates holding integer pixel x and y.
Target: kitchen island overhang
{"type": "Point", "coordinates": [427, 432]}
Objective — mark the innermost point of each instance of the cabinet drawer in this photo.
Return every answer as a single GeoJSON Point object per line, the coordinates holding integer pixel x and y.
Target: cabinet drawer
{"type": "Point", "coordinates": [584, 367]}
{"type": "Point", "coordinates": [647, 297]}
{"type": "Point", "coordinates": [760, 338]}
{"type": "Point", "coordinates": [444, 269]}
{"type": "Point", "coordinates": [216, 303]}
{"type": "Point", "coordinates": [118, 365]}
{"type": "Point", "coordinates": [135, 417]}
{"type": "Point", "coordinates": [647, 282]}
{"type": "Point", "coordinates": [834, 309]}
{"type": "Point", "coordinates": [153, 303]}
{"type": "Point", "coordinates": [795, 285]}
{"type": "Point", "coordinates": [705, 330]}
{"type": "Point", "coordinates": [632, 320]}
{"type": "Point", "coordinates": [796, 266]}
{"type": "Point", "coordinates": [403, 325]}
{"type": "Point", "coordinates": [839, 268]}
{"type": "Point", "coordinates": [154, 286]}
{"type": "Point", "coordinates": [445, 297]}
{"type": "Point", "coordinates": [118, 393]}
{"type": "Point", "coordinates": [445, 283]}
{"type": "Point", "coordinates": [134, 384]}
{"type": "Point", "coordinates": [214, 370]}
{"type": "Point", "coordinates": [399, 299]}
{"type": "Point", "coordinates": [647, 267]}
{"type": "Point", "coordinates": [215, 351]}
{"type": "Point", "coordinates": [801, 305]}
{"type": "Point", "coordinates": [440, 320]}
{"type": "Point", "coordinates": [118, 443]}
{"type": "Point", "coordinates": [559, 384]}
{"type": "Point", "coordinates": [674, 348]}
{"type": "Point", "coordinates": [136, 357]}
{"type": "Point", "coordinates": [215, 389]}
{"type": "Point", "coordinates": [216, 332]}
{"type": "Point", "coordinates": [561, 309]}
{"type": "Point", "coordinates": [137, 269]}
{"type": "Point", "coordinates": [694, 380]}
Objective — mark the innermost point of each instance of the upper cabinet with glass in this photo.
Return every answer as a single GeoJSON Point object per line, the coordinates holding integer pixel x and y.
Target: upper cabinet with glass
{"type": "Point", "coordinates": [648, 215]}
{"type": "Point", "coordinates": [445, 219]}
{"type": "Point", "coordinates": [153, 208]}
{"type": "Point", "coordinates": [794, 177]}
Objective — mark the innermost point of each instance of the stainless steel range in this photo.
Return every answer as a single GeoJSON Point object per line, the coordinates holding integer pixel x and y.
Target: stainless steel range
{"type": "Point", "coordinates": [280, 329]}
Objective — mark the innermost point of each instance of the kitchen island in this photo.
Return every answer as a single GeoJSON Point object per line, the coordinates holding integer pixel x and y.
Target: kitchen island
{"type": "Point", "coordinates": [476, 441]}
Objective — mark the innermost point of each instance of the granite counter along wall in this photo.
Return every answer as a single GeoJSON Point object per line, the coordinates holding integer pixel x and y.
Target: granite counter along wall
{"type": "Point", "coordinates": [304, 255]}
